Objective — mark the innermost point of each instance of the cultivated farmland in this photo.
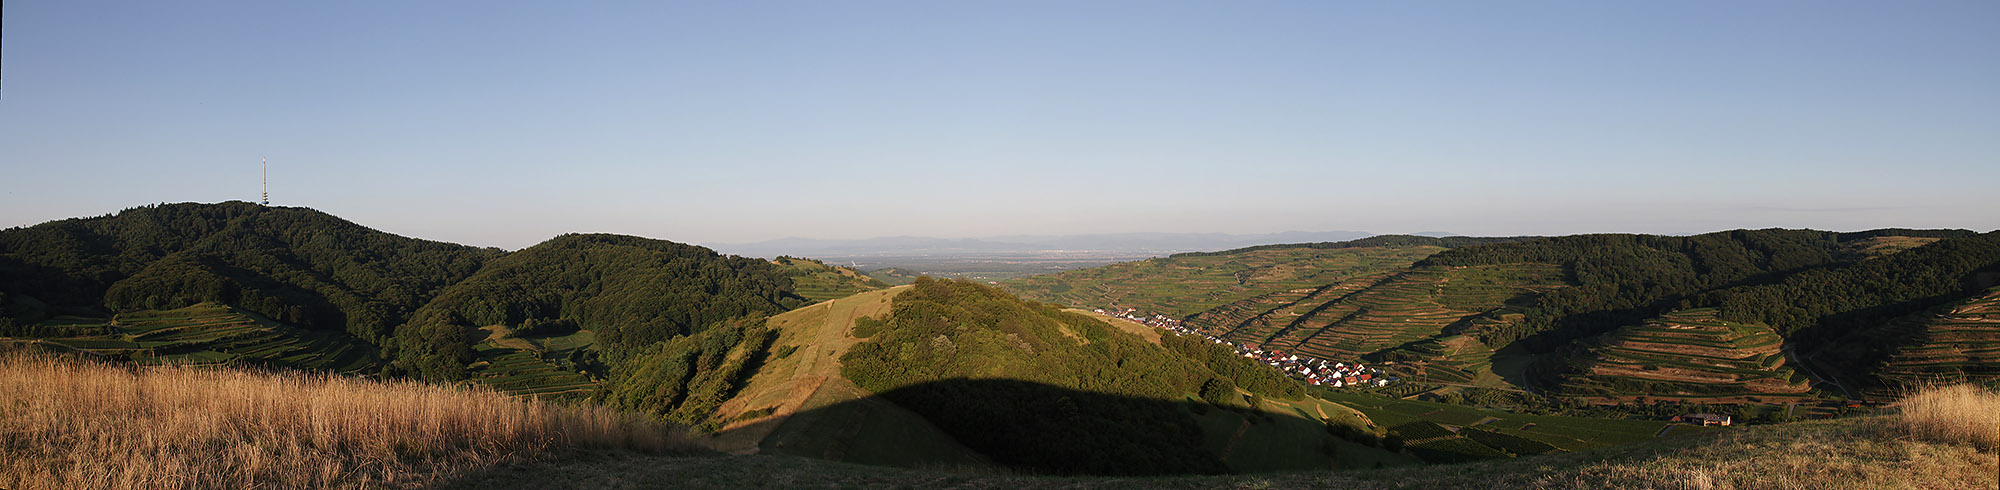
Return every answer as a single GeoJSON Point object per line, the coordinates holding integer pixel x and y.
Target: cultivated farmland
{"type": "Point", "coordinates": [539, 366]}
{"type": "Point", "coordinates": [1961, 343]}
{"type": "Point", "coordinates": [1439, 432]}
{"type": "Point", "coordinates": [817, 281]}
{"type": "Point", "coordinates": [1184, 285]}
{"type": "Point", "coordinates": [1689, 355]}
{"type": "Point", "coordinates": [1426, 311]}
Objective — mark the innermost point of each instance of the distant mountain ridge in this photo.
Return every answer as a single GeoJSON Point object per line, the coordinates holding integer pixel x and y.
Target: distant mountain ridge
{"type": "Point", "coordinates": [1134, 243]}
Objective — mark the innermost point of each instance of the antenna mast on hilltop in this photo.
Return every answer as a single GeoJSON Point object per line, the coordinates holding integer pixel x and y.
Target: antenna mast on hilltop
{"type": "Point", "coordinates": [267, 180]}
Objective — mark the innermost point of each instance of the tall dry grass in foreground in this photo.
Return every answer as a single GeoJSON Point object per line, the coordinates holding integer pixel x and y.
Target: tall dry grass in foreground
{"type": "Point", "coordinates": [1960, 414]}
{"type": "Point", "coordinates": [66, 423]}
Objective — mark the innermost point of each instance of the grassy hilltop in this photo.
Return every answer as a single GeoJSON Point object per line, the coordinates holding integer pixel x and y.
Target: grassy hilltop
{"type": "Point", "coordinates": [960, 374]}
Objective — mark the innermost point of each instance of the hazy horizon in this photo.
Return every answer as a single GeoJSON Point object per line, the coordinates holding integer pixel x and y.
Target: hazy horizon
{"type": "Point", "coordinates": [505, 124]}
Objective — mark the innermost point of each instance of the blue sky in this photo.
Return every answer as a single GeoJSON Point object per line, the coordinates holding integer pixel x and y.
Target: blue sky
{"type": "Point", "coordinates": [503, 124]}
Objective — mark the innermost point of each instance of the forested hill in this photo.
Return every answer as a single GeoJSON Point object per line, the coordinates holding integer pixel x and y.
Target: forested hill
{"type": "Point", "coordinates": [1837, 304]}
{"type": "Point", "coordinates": [1620, 279]}
{"type": "Point", "coordinates": [419, 302]}
{"type": "Point", "coordinates": [296, 265]}
{"type": "Point", "coordinates": [631, 291]}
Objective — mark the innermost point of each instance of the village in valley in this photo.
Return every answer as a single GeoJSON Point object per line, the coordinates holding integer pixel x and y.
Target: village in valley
{"type": "Point", "coordinates": [1315, 371]}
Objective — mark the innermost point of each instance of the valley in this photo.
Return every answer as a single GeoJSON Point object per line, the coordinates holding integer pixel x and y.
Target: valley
{"type": "Point", "coordinates": [1502, 348]}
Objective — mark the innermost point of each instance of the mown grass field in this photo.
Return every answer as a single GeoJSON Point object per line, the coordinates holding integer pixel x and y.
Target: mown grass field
{"type": "Point", "coordinates": [210, 333]}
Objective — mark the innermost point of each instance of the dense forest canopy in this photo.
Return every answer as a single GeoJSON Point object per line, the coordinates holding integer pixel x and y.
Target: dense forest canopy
{"type": "Point", "coordinates": [1825, 303]}
{"type": "Point", "coordinates": [418, 300]}
{"type": "Point", "coordinates": [1621, 279]}
{"type": "Point", "coordinates": [293, 264]}
{"type": "Point", "coordinates": [632, 291]}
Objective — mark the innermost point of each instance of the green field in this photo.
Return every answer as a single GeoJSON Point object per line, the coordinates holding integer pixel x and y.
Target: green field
{"type": "Point", "coordinates": [1447, 433]}
{"type": "Point", "coordinates": [211, 333]}
{"type": "Point", "coordinates": [817, 281]}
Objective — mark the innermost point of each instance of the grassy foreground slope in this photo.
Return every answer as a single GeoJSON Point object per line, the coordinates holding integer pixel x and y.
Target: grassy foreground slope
{"type": "Point", "coordinates": [71, 423]}
{"type": "Point", "coordinates": [1936, 443]}
{"type": "Point", "coordinates": [75, 424]}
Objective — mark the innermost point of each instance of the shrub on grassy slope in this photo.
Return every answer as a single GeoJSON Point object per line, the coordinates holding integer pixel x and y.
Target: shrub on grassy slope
{"type": "Point", "coordinates": [686, 379]}
{"type": "Point", "coordinates": [1958, 414]}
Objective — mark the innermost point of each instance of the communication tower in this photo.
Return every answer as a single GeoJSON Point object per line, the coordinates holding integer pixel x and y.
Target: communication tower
{"type": "Point", "coordinates": [267, 181]}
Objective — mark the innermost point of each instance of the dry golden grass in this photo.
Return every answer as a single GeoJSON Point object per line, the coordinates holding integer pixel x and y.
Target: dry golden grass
{"type": "Point", "coordinates": [1958, 414]}
{"type": "Point", "coordinates": [66, 423]}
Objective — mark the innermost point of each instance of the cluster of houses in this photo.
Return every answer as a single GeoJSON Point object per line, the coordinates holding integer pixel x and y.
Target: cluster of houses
{"type": "Point", "coordinates": [1160, 321]}
{"type": "Point", "coordinates": [1313, 370]}
{"type": "Point", "coordinates": [1319, 371]}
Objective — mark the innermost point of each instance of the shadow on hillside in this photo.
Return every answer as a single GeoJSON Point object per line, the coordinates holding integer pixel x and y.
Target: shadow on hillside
{"type": "Point", "coordinates": [1026, 427]}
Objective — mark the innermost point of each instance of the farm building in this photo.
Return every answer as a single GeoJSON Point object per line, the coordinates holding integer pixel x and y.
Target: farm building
{"type": "Point", "coordinates": [1705, 419]}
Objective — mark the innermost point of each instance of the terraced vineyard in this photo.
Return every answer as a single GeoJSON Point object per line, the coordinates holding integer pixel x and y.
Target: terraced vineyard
{"type": "Point", "coordinates": [1689, 355]}
{"type": "Point", "coordinates": [543, 367]}
{"type": "Point", "coordinates": [1962, 343]}
{"type": "Point", "coordinates": [1189, 284]}
{"type": "Point", "coordinates": [211, 333]}
{"type": "Point", "coordinates": [1425, 310]}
